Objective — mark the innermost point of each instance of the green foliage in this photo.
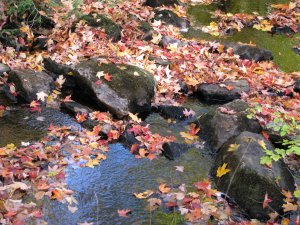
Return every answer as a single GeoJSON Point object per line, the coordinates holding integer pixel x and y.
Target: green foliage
{"type": "Point", "coordinates": [284, 125]}
{"type": "Point", "coordinates": [20, 7]}
{"type": "Point", "coordinates": [293, 147]}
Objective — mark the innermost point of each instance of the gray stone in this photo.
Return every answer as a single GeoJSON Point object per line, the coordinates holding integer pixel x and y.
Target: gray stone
{"type": "Point", "coordinates": [28, 83]}
{"type": "Point", "coordinates": [214, 93]}
{"type": "Point", "coordinates": [4, 69]}
{"type": "Point", "coordinates": [173, 150]}
{"type": "Point", "coordinates": [130, 90]}
{"type": "Point", "coordinates": [249, 52]}
{"type": "Point", "coordinates": [248, 181]}
{"type": "Point", "coordinates": [172, 112]}
{"type": "Point", "coordinates": [166, 40]}
{"type": "Point", "coordinates": [169, 17]}
{"type": "Point", "coordinates": [221, 126]}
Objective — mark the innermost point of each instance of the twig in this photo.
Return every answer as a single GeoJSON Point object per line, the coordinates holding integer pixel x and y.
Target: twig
{"type": "Point", "coordinates": [97, 208]}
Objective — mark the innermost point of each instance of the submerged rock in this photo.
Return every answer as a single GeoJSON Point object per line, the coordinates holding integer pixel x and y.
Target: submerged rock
{"type": "Point", "coordinates": [169, 17]}
{"type": "Point", "coordinates": [230, 90]}
{"type": "Point", "coordinates": [130, 89]}
{"type": "Point", "coordinates": [111, 28]}
{"type": "Point", "coordinates": [173, 150]}
{"type": "Point", "coordinates": [250, 52]}
{"type": "Point", "coordinates": [220, 126]}
{"type": "Point", "coordinates": [28, 83]}
{"type": "Point", "coordinates": [157, 3]}
{"type": "Point", "coordinates": [248, 181]}
{"type": "Point", "coordinates": [172, 112]}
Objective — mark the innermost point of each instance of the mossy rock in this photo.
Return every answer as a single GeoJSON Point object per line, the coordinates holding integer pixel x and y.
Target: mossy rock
{"type": "Point", "coordinates": [112, 29]}
{"type": "Point", "coordinates": [130, 89]}
{"type": "Point", "coordinates": [219, 126]}
{"type": "Point", "coordinates": [248, 181]}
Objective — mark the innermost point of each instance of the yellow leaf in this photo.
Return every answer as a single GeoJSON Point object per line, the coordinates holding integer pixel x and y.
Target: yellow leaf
{"type": "Point", "coordinates": [94, 144]}
{"type": "Point", "coordinates": [92, 162]}
{"type": "Point", "coordinates": [221, 171]}
{"type": "Point", "coordinates": [134, 117]}
{"type": "Point", "coordinates": [144, 194]}
{"type": "Point", "coordinates": [188, 136]}
{"type": "Point", "coordinates": [233, 147]}
{"type": "Point", "coordinates": [262, 144]}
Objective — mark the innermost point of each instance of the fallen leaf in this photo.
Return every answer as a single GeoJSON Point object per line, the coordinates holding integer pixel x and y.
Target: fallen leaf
{"type": "Point", "coordinates": [233, 147]}
{"type": "Point", "coordinates": [221, 171]}
{"type": "Point", "coordinates": [266, 201]}
{"type": "Point", "coordinates": [124, 212]}
{"type": "Point", "coordinates": [144, 194]}
{"type": "Point", "coordinates": [164, 189]}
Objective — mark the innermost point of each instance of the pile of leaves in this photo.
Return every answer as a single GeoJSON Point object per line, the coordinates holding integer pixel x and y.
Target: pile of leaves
{"type": "Point", "coordinates": [284, 17]}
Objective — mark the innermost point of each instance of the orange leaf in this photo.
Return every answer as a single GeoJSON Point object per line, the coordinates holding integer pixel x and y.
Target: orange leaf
{"type": "Point", "coordinates": [57, 194]}
{"type": "Point", "coordinates": [164, 189]}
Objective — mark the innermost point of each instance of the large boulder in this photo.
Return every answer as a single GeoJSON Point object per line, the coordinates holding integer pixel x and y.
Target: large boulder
{"type": "Point", "coordinates": [222, 93]}
{"type": "Point", "coordinates": [157, 3]}
{"type": "Point", "coordinates": [169, 17]}
{"type": "Point", "coordinates": [223, 123]}
{"type": "Point", "coordinates": [249, 52]}
{"type": "Point", "coordinates": [248, 181]}
{"type": "Point", "coordinates": [111, 28]}
{"type": "Point", "coordinates": [28, 83]}
{"type": "Point", "coordinates": [129, 90]}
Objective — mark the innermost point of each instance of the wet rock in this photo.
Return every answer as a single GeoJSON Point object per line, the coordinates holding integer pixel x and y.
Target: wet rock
{"type": "Point", "coordinates": [173, 150]}
{"type": "Point", "coordinates": [214, 93]}
{"type": "Point", "coordinates": [296, 50]}
{"type": "Point", "coordinates": [171, 112]}
{"type": "Point", "coordinates": [4, 69]}
{"type": "Point", "coordinates": [166, 40]}
{"type": "Point", "coordinates": [157, 3]}
{"type": "Point", "coordinates": [248, 181]}
{"type": "Point", "coordinates": [169, 17]}
{"type": "Point", "coordinates": [127, 138]}
{"type": "Point", "coordinates": [28, 83]}
{"type": "Point", "coordinates": [147, 29]}
{"type": "Point", "coordinates": [297, 86]}
{"type": "Point", "coordinates": [250, 52]}
{"type": "Point", "coordinates": [130, 89]}
{"type": "Point", "coordinates": [55, 67]}
{"type": "Point", "coordinates": [283, 30]}
{"type": "Point", "coordinates": [112, 29]}
{"type": "Point", "coordinates": [220, 126]}
{"type": "Point", "coordinates": [40, 43]}
{"type": "Point", "coordinates": [159, 61]}
{"type": "Point", "coordinates": [73, 108]}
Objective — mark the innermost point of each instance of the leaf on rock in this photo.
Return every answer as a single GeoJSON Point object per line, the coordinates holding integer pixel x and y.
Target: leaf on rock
{"type": "Point", "coordinates": [221, 171]}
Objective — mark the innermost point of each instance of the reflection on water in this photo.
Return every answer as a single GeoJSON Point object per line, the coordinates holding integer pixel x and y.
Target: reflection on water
{"type": "Point", "coordinates": [105, 189]}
